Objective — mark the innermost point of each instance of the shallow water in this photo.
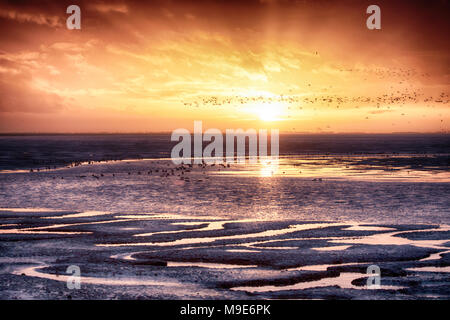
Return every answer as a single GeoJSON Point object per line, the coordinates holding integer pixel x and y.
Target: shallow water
{"type": "Point", "coordinates": [227, 231]}
{"type": "Point", "coordinates": [343, 193]}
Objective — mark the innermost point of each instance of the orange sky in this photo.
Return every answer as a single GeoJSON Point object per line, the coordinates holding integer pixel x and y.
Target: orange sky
{"type": "Point", "coordinates": [299, 66]}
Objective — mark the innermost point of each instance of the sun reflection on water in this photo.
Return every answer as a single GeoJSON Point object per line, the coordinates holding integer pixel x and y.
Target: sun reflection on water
{"type": "Point", "coordinates": [268, 167]}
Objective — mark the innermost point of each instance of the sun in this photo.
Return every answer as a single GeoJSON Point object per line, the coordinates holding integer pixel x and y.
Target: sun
{"type": "Point", "coordinates": [268, 112]}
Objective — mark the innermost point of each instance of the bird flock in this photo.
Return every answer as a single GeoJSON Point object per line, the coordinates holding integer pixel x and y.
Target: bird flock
{"type": "Point", "coordinates": [330, 100]}
{"type": "Point", "coordinates": [399, 94]}
{"type": "Point", "coordinates": [163, 170]}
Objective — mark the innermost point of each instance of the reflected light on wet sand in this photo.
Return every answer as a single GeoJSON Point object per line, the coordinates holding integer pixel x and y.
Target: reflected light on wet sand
{"type": "Point", "coordinates": [117, 281]}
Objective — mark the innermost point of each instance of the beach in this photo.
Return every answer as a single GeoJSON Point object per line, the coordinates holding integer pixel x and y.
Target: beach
{"type": "Point", "coordinates": [307, 228]}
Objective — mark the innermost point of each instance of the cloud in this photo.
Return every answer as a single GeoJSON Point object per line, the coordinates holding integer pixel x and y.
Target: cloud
{"type": "Point", "coordinates": [19, 96]}
{"type": "Point", "coordinates": [148, 58]}
{"type": "Point", "coordinates": [35, 18]}
{"type": "Point", "coordinates": [109, 7]}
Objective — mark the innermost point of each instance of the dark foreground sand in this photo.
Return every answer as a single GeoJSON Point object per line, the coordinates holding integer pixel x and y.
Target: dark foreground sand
{"type": "Point", "coordinates": [162, 256]}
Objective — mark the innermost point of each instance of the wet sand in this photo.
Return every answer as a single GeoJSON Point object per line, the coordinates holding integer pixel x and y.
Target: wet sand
{"type": "Point", "coordinates": [308, 228]}
{"type": "Point", "coordinates": [165, 256]}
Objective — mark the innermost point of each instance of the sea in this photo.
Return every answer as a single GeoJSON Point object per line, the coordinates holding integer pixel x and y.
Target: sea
{"type": "Point", "coordinates": [382, 178]}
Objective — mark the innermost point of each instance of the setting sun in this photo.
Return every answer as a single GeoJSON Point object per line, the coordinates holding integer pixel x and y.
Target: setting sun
{"type": "Point", "coordinates": [268, 113]}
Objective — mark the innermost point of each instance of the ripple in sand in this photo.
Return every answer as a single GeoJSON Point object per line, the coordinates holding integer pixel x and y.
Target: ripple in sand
{"type": "Point", "coordinates": [242, 250]}
{"type": "Point", "coordinates": [117, 281]}
{"type": "Point", "coordinates": [434, 256]}
{"type": "Point", "coordinates": [267, 233]}
{"type": "Point", "coordinates": [333, 248]}
{"type": "Point", "coordinates": [22, 231]}
{"type": "Point", "coordinates": [320, 267]}
{"type": "Point", "coordinates": [392, 238]}
{"type": "Point", "coordinates": [344, 281]}
{"type": "Point", "coordinates": [209, 265]}
{"type": "Point", "coordinates": [430, 269]}
{"type": "Point", "coordinates": [79, 215]}
{"type": "Point", "coordinates": [28, 210]}
{"type": "Point", "coordinates": [368, 228]}
{"type": "Point", "coordinates": [38, 230]}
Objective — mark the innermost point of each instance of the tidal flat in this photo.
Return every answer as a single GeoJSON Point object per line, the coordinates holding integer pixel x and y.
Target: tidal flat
{"type": "Point", "coordinates": [307, 228]}
{"type": "Point", "coordinates": [158, 256]}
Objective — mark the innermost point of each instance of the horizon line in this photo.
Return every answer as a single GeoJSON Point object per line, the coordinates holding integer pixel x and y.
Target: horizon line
{"type": "Point", "coordinates": [168, 132]}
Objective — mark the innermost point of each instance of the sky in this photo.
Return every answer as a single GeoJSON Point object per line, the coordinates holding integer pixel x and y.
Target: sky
{"type": "Point", "coordinates": [155, 66]}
